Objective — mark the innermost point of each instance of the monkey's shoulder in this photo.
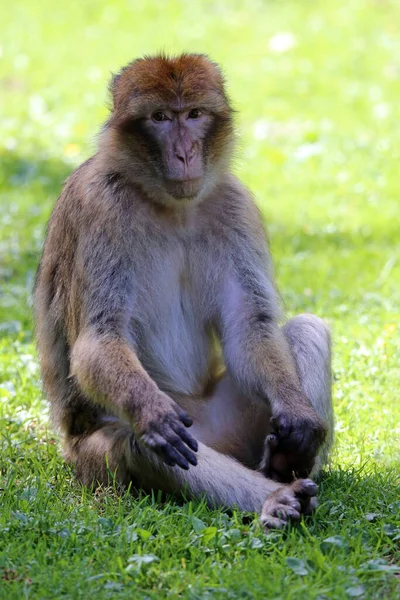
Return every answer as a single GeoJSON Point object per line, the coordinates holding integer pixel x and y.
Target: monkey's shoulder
{"type": "Point", "coordinates": [233, 206]}
{"type": "Point", "coordinates": [75, 182]}
{"type": "Point", "coordinates": [68, 207]}
{"type": "Point", "coordinates": [95, 197]}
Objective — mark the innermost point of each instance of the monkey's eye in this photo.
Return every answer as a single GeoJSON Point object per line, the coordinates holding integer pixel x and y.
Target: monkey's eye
{"type": "Point", "coordinates": [195, 113]}
{"type": "Point", "coordinates": [159, 116]}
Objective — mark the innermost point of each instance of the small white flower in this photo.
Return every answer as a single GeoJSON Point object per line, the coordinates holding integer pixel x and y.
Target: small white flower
{"type": "Point", "coordinates": [37, 107]}
{"type": "Point", "coordinates": [21, 62]}
{"type": "Point", "coordinates": [282, 42]}
{"type": "Point", "coordinates": [381, 110]}
{"type": "Point", "coordinates": [94, 74]}
{"type": "Point", "coordinates": [306, 151]}
{"type": "Point", "coordinates": [261, 129]}
{"type": "Point", "coordinates": [10, 143]}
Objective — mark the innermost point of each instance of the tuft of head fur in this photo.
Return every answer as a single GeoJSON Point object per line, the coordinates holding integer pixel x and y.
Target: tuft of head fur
{"type": "Point", "coordinates": [162, 82]}
{"type": "Point", "coordinates": [152, 81]}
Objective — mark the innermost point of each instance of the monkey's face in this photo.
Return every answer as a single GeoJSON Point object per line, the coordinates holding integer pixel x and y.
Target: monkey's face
{"type": "Point", "coordinates": [178, 148]}
{"type": "Point", "coordinates": [174, 123]}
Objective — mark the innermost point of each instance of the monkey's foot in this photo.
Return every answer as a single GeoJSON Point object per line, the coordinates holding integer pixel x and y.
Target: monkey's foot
{"type": "Point", "coordinates": [288, 503]}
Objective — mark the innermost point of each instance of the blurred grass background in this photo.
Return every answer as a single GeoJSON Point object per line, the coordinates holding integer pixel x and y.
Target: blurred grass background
{"type": "Point", "coordinates": [316, 85]}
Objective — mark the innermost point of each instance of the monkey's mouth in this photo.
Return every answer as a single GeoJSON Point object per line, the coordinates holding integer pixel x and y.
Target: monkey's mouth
{"type": "Point", "coordinates": [183, 188]}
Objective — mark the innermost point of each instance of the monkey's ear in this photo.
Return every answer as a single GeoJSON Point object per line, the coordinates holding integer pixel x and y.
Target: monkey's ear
{"type": "Point", "coordinates": [112, 86]}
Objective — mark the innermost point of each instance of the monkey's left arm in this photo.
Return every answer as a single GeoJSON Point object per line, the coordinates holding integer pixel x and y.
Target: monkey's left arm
{"type": "Point", "coordinates": [256, 351]}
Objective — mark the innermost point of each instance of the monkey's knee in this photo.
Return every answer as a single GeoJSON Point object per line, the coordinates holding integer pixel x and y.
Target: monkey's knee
{"type": "Point", "coordinates": [102, 456]}
{"type": "Point", "coordinates": [86, 361]}
{"type": "Point", "coordinates": [308, 328]}
{"type": "Point", "coordinates": [309, 338]}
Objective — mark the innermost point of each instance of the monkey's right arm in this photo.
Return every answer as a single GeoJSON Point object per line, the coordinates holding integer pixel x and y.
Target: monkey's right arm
{"type": "Point", "coordinates": [103, 359]}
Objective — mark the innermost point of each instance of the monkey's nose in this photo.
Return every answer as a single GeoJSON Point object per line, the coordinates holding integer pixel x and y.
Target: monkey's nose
{"type": "Point", "coordinates": [181, 156]}
{"type": "Point", "coordinates": [185, 156]}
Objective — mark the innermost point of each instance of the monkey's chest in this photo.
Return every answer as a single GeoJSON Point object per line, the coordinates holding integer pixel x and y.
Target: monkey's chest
{"type": "Point", "coordinates": [173, 339]}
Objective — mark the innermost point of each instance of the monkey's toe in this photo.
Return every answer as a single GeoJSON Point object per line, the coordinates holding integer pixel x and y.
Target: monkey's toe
{"type": "Point", "coordinates": [288, 503]}
{"type": "Point", "coordinates": [278, 515]}
{"type": "Point", "coordinates": [304, 487]}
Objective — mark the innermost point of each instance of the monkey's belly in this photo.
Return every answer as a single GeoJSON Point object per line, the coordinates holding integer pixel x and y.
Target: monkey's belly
{"type": "Point", "coordinates": [180, 360]}
{"type": "Point", "coordinates": [174, 339]}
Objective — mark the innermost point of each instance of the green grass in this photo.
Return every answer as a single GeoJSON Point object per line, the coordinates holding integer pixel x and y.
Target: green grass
{"type": "Point", "coordinates": [320, 148]}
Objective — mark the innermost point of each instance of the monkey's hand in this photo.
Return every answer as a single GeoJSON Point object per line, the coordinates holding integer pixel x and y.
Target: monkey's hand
{"type": "Point", "coordinates": [162, 428]}
{"type": "Point", "coordinates": [288, 503]}
{"type": "Point", "coordinates": [294, 443]}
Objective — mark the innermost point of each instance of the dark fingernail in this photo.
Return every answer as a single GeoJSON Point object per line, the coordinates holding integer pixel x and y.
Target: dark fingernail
{"type": "Point", "coordinates": [310, 484]}
{"type": "Point", "coordinates": [295, 516]}
{"type": "Point", "coordinates": [186, 420]}
{"type": "Point", "coordinates": [272, 440]}
{"type": "Point", "coordinates": [183, 464]}
{"type": "Point", "coordinates": [192, 459]}
{"type": "Point", "coordinates": [170, 455]}
{"type": "Point", "coordinates": [193, 445]}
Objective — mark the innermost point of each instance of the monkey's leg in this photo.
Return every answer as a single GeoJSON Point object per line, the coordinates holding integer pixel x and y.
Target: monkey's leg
{"type": "Point", "coordinates": [112, 449]}
{"type": "Point", "coordinates": [102, 452]}
{"type": "Point", "coordinates": [230, 422]}
{"type": "Point", "coordinates": [310, 343]}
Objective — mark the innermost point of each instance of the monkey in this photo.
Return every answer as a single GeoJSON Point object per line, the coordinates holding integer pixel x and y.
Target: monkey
{"type": "Point", "coordinates": [158, 320]}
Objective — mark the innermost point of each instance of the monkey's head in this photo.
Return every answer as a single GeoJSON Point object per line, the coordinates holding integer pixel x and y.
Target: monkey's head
{"type": "Point", "coordinates": [171, 125]}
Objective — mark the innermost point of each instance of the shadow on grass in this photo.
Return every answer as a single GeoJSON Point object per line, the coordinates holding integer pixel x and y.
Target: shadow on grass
{"type": "Point", "coordinates": [29, 186]}
{"type": "Point", "coordinates": [17, 171]}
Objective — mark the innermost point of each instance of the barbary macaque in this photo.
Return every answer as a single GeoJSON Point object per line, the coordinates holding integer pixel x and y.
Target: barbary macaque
{"type": "Point", "coordinates": [157, 314]}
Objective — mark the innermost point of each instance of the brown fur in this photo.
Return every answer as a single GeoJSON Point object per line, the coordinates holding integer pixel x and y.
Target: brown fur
{"type": "Point", "coordinates": [144, 297]}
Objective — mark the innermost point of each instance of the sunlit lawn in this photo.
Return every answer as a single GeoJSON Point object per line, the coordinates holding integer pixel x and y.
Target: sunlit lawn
{"type": "Point", "coordinates": [317, 88]}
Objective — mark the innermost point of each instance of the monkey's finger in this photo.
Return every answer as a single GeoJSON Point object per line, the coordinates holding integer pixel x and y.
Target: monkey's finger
{"type": "Point", "coordinates": [287, 512]}
{"type": "Point", "coordinates": [168, 461]}
{"type": "Point", "coordinates": [161, 446]}
{"type": "Point", "coordinates": [281, 426]}
{"type": "Point", "coordinates": [301, 439]}
{"type": "Point", "coordinates": [310, 506]}
{"type": "Point", "coordinates": [183, 449]}
{"type": "Point", "coordinates": [171, 454]}
{"type": "Point", "coordinates": [186, 437]}
{"type": "Point", "coordinates": [272, 440]}
{"type": "Point", "coordinates": [158, 444]}
{"type": "Point", "coordinates": [273, 523]}
{"type": "Point", "coordinates": [184, 418]}
{"type": "Point", "coordinates": [304, 487]}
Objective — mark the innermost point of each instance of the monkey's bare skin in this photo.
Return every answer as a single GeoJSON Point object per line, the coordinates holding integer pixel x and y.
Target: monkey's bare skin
{"type": "Point", "coordinates": [157, 313]}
